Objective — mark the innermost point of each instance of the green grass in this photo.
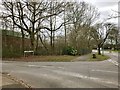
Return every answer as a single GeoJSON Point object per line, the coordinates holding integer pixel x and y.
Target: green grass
{"type": "Point", "coordinates": [62, 58]}
{"type": "Point", "coordinates": [113, 50]}
{"type": "Point", "coordinates": [98, 57]}
{"type": "Point", "coordinates": [116, 50]}
{"type": "Point", "coordinates": [53, 58]}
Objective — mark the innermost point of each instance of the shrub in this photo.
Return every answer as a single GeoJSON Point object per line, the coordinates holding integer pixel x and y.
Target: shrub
{"type": "Point", "coordinates": [74, 52]}
{"type": "Point", "coordinates": [69, 51]}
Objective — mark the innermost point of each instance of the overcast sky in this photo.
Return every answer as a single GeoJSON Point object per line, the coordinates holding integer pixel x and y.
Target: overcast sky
{"type": "Point", "coordinates": [106, 8]}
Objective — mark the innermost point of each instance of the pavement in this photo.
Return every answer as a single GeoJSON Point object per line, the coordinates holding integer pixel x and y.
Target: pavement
{"type": "Point", "coordinates": [82, 58]}
{"type": "Point", "coordinates": [8, 82]}
{"type": "Point", "coordinates": [79, 74]}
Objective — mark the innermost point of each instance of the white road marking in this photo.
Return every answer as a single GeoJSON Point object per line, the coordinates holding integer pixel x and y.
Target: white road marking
{"type": "Point", "coordinates": [61, 68]}
{"type": "Point", "coordinates": [31, 65]}
{"type": "Point", "coordinates": [44, 66]}
{"type": "Point", "coordinates": [104, 71]}
{"type": "Point", "coordinates": [37, 66]}
{"type": "Point", "coordinates": [114, 62]}
{"type": "Point", "coordinates": [85, 77]}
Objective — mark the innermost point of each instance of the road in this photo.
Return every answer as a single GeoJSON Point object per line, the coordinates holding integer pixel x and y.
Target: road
{"type": "Point", "coordinates": [98, 74]}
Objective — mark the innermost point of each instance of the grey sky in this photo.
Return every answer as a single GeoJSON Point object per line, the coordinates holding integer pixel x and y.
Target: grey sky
{"type": "Point", "coordinates": [106, 8]}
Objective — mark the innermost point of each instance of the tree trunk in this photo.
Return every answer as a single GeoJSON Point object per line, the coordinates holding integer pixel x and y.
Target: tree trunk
{"type": "Point", "coordinates": [51, 42]}
{"type": "Point", "coordinates": [32, 41]}
{"type": "Point", "coordinates": [43, 43]}
{"type": "Point", "coordinates": [22, 41]}
{"type": "Point", "coordinates": [53, 46]}
{"type": "Point", "coordinates": [99, 51]}
{"type": "Point", "coordinates": [116, 44]}
{"type": "Point", "coordinates": [36, 49]}
{"type": "Point", "coordinates": [51, 36]}
{"type": "Point", "coordinates": [111, 44]}
{"type": "Point", "coordinates": [65, 29]}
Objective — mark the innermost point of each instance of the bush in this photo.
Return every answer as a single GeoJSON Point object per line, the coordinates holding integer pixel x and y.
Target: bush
{"type": "Point", "coordinates": [69, 51]}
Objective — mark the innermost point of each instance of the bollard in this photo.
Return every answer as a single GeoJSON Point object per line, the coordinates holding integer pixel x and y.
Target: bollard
{"type": "Point", "coordinates": [94, 56]}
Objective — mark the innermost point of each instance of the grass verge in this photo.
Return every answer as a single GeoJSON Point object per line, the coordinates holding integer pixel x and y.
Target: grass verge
{"type": "Point", "coordinates": [98, 57]}
{"type": "Point", "coordinates": [116, 51]}
{"type": "Point", "coordinates": [62, 58]}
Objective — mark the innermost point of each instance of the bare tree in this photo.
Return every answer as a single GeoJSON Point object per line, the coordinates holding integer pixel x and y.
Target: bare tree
{"type": "Point", "coordinates": [100, 33]}
{"type": "Point", "coordinates": [82, 17]}
{"type": "Point", "coordinates": [113, 36]}
{"type": "Point", "coordinates": [28, 14]}
{"type": "Point", "coordinates": [56, 22]}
